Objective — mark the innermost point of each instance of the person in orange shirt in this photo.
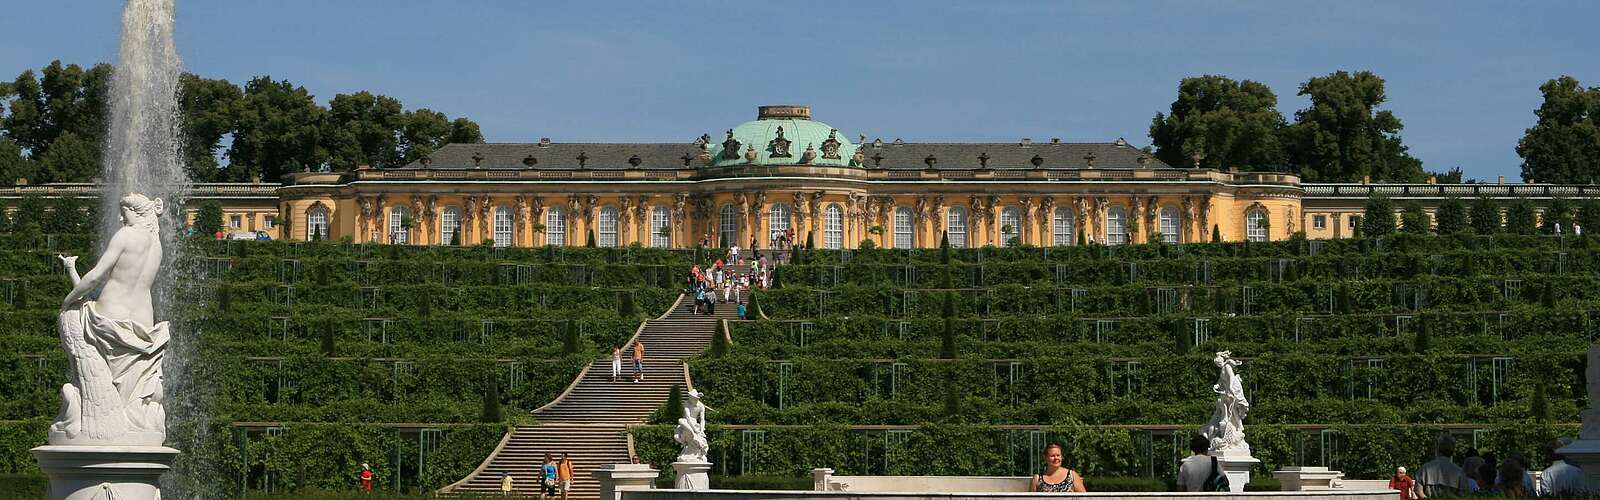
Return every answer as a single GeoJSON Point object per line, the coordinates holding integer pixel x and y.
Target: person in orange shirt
{"type": "Point", "coordinates": [564, 473]}
{"type": "Point", "coordinates": [638, 361]}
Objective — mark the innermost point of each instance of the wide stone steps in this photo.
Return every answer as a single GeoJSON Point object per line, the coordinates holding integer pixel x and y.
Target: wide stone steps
{"type": "Point", "coordinates": [589, 421]}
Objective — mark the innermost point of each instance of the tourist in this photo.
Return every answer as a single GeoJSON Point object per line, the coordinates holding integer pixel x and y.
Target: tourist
{"type": "Point", "coordinates": [1402, 483]}
{"type": "Point", "coordinates": [1472, 464]}
{"type": "Point", "coordinates": [1441, 477]}
{"type": "Point", "coordinates": [1527, 478]}
{"type": "Point", "coordinates": [634, 460]}
{"type": "Point", "coordinates": [638, 361]}
{"type": "Point", "coordinates": [547, 477]}
{"type": "Point", "coordinates": [733, 253]}
{"type": "Point", "coordinates": [1511, 479]}
{"type": "Point", "coordinates": [1199, 467]}
{"type": "Point", "coordinates": [565, 475]}
{"type": "Point", "coordinates": [505, 484]}
{"type": "Point", "coordinates": [1485, 472]}
{"type": "Point", "coordinates": [1056, 479]}
{"type": "Point", "coordinates": [742, 312]}
{"type": "Point", "coordinates": [366, 478]}
{"type": "Point", "coordinates": [1560, 477]}
{"type": "Point", "coordinates": [616, 363]}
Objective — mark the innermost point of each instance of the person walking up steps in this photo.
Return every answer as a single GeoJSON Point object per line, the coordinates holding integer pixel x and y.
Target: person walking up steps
{"type": "Point", "coordinates": [565, 474]}
{"type": "Point", "coordinates": [638, 361]}
{"type": "Point", "coordinates": [547, 477]}
{"type": "Point", "coordinates": [616, 363]}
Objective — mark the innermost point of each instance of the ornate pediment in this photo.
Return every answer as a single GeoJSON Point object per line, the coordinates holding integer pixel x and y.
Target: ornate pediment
{"type": "Point", "coordinates": [830, 147]}
{"type": "Point", "coordinates": [779, 147]}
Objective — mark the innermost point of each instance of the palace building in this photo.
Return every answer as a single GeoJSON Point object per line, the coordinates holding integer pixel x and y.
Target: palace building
{"type": "Point", "coordinates": [784, 171]}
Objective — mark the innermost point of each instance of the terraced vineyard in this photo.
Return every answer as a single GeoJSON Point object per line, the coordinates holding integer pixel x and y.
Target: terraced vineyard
{"type": "Point", "coordinates": [1357, 353]}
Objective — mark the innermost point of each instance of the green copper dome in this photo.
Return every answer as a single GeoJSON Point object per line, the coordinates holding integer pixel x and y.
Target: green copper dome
{"type": "Point", "coordinates": [782, 135]}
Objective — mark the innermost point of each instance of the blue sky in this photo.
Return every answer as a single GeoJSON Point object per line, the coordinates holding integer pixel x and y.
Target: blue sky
{"type": "Point", "coordinates": [1462, 76]}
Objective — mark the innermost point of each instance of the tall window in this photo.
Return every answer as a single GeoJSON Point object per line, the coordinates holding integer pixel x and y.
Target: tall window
{"type": "Point", "coordinates": [832, 227]}
{"type": "Point", "coordinates": [1063, 227]}
{"type": "Point", "coordinates": [502, 226]}
{"type": "Point", "coordinates": [956, 227]}
{"type": "Point", "coordinates": [1255, 225]}
{"type": "Point", "coordinates": [660, 222]}
{"type": "Point", "coordinates": [728, 228]}
{"type": "Point", "coordinates": [1010, 225]}
{"type": "Point", "coordinates": [449, 225]}
{"type": "Point", "coordinates": [1169, 224]}
{"type": "Point", "coordinates": [555, 226]}
{"type": "Point", "coordinates": [608, 226]}
{"type": "Point", "coordinates": [399, 234]}
{"type": "Point", "coordinates": [904, 235]}
{"type": "Point", "coordinates": [1116, 226]}
{"type": "Point", "coordinates": [317, 223]}
{"type": "Point", "coordinates": [778, 220]}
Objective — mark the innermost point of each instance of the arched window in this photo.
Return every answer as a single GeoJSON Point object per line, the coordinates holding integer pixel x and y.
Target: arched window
{"type": "Point", "coordinates": [1116, 226]}
{"type": "Point", "coordinates": [399, 225]}
{"type": "Point", "coordinates": [1063, 227]}
{"type": "Point", "coordinates": [317, 223]}
{"type": "Point", "coordinates": [660, 227]}
{"type": "Point", "coordinates": [778, 221]}
{"type": "Point", "coordinates": [555, 226]}
{"type": "Point", "coordinates": [502, 226]}
{"type": "Point", "coordinates": [832, 227]}
{"type": "Point", "coordinates": [1255, 225]}
{"type": "Point", "coordinates": [904, 235]}
{"type": "Point", "coordinates": [728, 227]}
{"type": "Point", "coordinates": [608, 227]}
{"type": "Point", "coordinates": [450, 225]}
{"type": "Point", "coordinates": [956, 227]}
{"type": "Point", "coordinates": [1010, 225]}
{"type": "Point", "coordinates": [1169, 225]}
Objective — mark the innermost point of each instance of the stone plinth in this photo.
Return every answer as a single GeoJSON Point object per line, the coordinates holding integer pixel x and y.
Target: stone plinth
{"type": "Point", "coordinates": [1237, 467]}
{"type": "Point", "coordinates": [616, 478]}
{"type": "Point", "coordinates": [96, 472]}
{"type": "Point", "coordinates": [1585, 454]}
{"type": "Point", "coordinates": [1306, 478]}
{"type": "Point", "coordinates": [692, 475]}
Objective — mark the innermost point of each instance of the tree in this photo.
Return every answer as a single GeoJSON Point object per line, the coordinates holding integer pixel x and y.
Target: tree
{"type": "Point", "coordinates": [70, 159]}
{"type": "Point", "coordinates": [1377, 219]}
{"type": "Point", "coordinates": [1563, 146]}
{"type": "Point", "coordinates": [14, 165]}
{"type": "Point", "coordinates": [1558, 214]}
{"type": "Point", "coordinates": [947, 338]}
{"type": "Point", "coordinates": [1522, 217]}
{"type": "Point", "coordinates": [1485, 216]}
{"type": "Point", "coordinates": [1452, 216]}
{"type": "Point", "coordinates": [328, 345]}
{"type": "Point", "coordinates": [277, 129]}
{"type": "Point", "coordinates": [1343, 137]}
{"type": "Point", "coordinates": [491, 400]}
{"type": "Point", "coordinates": [61, 99]}
{"type": "Point", "coordinates": [1415, 220]}
{"type": "Point", "coordinates": [69, 215]}
{"type": "Point", "coordinates": [363, 129]}
{"type": "Point", "coordinates": [719, 341]}
{"type": "Point", "coordinates": [209, 219]}
{"type": "Point", "coordinates": [209, 107]}
{"type": "Point", "coordinates": [1588, 214]}
{"type": "Point", "coordinates": [625, 306]}
{"type": "Point", "coordinates": [1216, 233]}
{"type": "Point", "coordinates": [1226, 123]}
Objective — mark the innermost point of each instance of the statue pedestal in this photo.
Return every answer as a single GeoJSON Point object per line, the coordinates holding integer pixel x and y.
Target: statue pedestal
{"type": "Point", "coordinates": [1585, 454]}
{"type": "Point", "coordinates": [616, 478]}
{"type": "Point", "coordinates": [1305, 478]}
{"type": "Point", "coordinates": [692, 475]}
{"type": "Point", "coordinates": [1237, 466]}
{"type": "Point", "coordinates": [91, 472]}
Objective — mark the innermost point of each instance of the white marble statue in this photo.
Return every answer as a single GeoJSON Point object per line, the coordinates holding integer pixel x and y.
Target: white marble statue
{"type": "Point", "coordinates": [1226, 428]}
{"type": "Point", "coordinates": [114, 346]}
{"type": "Point", "coordinates": [691, 431]}
{"type": "Point", "coordinates": [1591, 416]}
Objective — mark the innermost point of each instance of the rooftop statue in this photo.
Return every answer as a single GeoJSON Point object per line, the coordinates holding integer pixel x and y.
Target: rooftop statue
{"type": "Point", "coordinates": [114, 346]}
{"type": "Point", "coordinates": [1226, 428]}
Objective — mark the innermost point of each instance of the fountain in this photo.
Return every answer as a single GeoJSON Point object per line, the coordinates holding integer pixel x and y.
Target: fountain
{"type": "Point", "coordinates": [107, 441]}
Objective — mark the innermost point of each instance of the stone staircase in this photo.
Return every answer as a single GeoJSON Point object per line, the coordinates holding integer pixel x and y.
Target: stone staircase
{"type": "Point", "coordinates": [589, 421]}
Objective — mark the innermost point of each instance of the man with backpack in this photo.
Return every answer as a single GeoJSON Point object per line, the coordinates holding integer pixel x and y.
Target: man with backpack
{"type": "Point", "coordinates": [1201, 472]}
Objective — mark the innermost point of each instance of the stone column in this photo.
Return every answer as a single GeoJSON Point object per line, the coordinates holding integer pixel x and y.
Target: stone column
{"type": "Point", "coordinates": [617, 478]}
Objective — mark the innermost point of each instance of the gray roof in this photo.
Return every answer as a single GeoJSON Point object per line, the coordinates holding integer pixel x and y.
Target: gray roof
{"type": "Point", "coordinates": [909, 156]}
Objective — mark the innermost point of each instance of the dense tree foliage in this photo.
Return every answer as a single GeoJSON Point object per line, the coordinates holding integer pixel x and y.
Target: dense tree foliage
{"type": "Point", "coordinates": [1485, 216]}
{"type": "Point", "coordinates": [1452, 217]}
{"type": "Point", "coordinates": [1557, 217]}
{"type": "Point", "coordinates": [1415, 220]}
{"type": "Point", "coordinates": [1377, 219]}
{"type": "Point", "coordinates": [53, 127]}
{"type": "Point", "coordinates": [1225, 123]}
{"type": "Point", "coordinates": [1343, 136]}
{"type": "Point", "coordinates": [1564, 145]}
{"type": "Point", "coordinates": [1522, 217]}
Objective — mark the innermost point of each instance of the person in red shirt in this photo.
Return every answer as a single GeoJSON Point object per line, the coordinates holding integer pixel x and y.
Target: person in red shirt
{"type": "Point", "coordinates": [366, 478]}
{"type": "Point", "coordinates": [1403, 483]}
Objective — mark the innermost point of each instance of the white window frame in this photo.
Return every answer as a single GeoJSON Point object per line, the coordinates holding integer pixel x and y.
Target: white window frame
{"type": "Point", "coordinates": [660, 217]}
{"type": "Point", "coordinates": [1116, 226]}
{"type": "Point", "coordinates": [503, 234]}
{"type": "Point", "coordinates": [1254, 230]}
{"type": "Point", "coordinates": [833, 227]}
{"type": "Point", "coordinates": [778, 218]}
{"type": "Point", "coordinates": [1012, 216]}
{"type": "Point", "coordinates": [555, 226]}
{"type": "Point", "coordinates": [398, 233]}
{"type": "Point", "coordinates": [317, 223]}
{"type": "Point", "coordinates": [1319, 222]}
{"type": "Point", "coordinates": [235, 221]}
{"type": "Point", "coordinates": [956, 226]}
{"type": "Point", "coordinates": [1170, 224]}
{"type": "Point", "coordinates": [449, 224]}
{"type": "Point", "coordinates": [905, 232]}
{"type": "Point", "coordinates": [727, 226]}
{"type": "Point", "coordinates": [608, 227]}
{"type": "Point", "coordinates": [269, 221]}
{"type": "Point", "coordinates": [1063, 227]}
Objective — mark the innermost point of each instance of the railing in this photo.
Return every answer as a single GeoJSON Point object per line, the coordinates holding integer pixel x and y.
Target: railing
{"type": "Point", "coordinates": [86, 189]}
{"type": "Point", "coordinates": [1443, 190]}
